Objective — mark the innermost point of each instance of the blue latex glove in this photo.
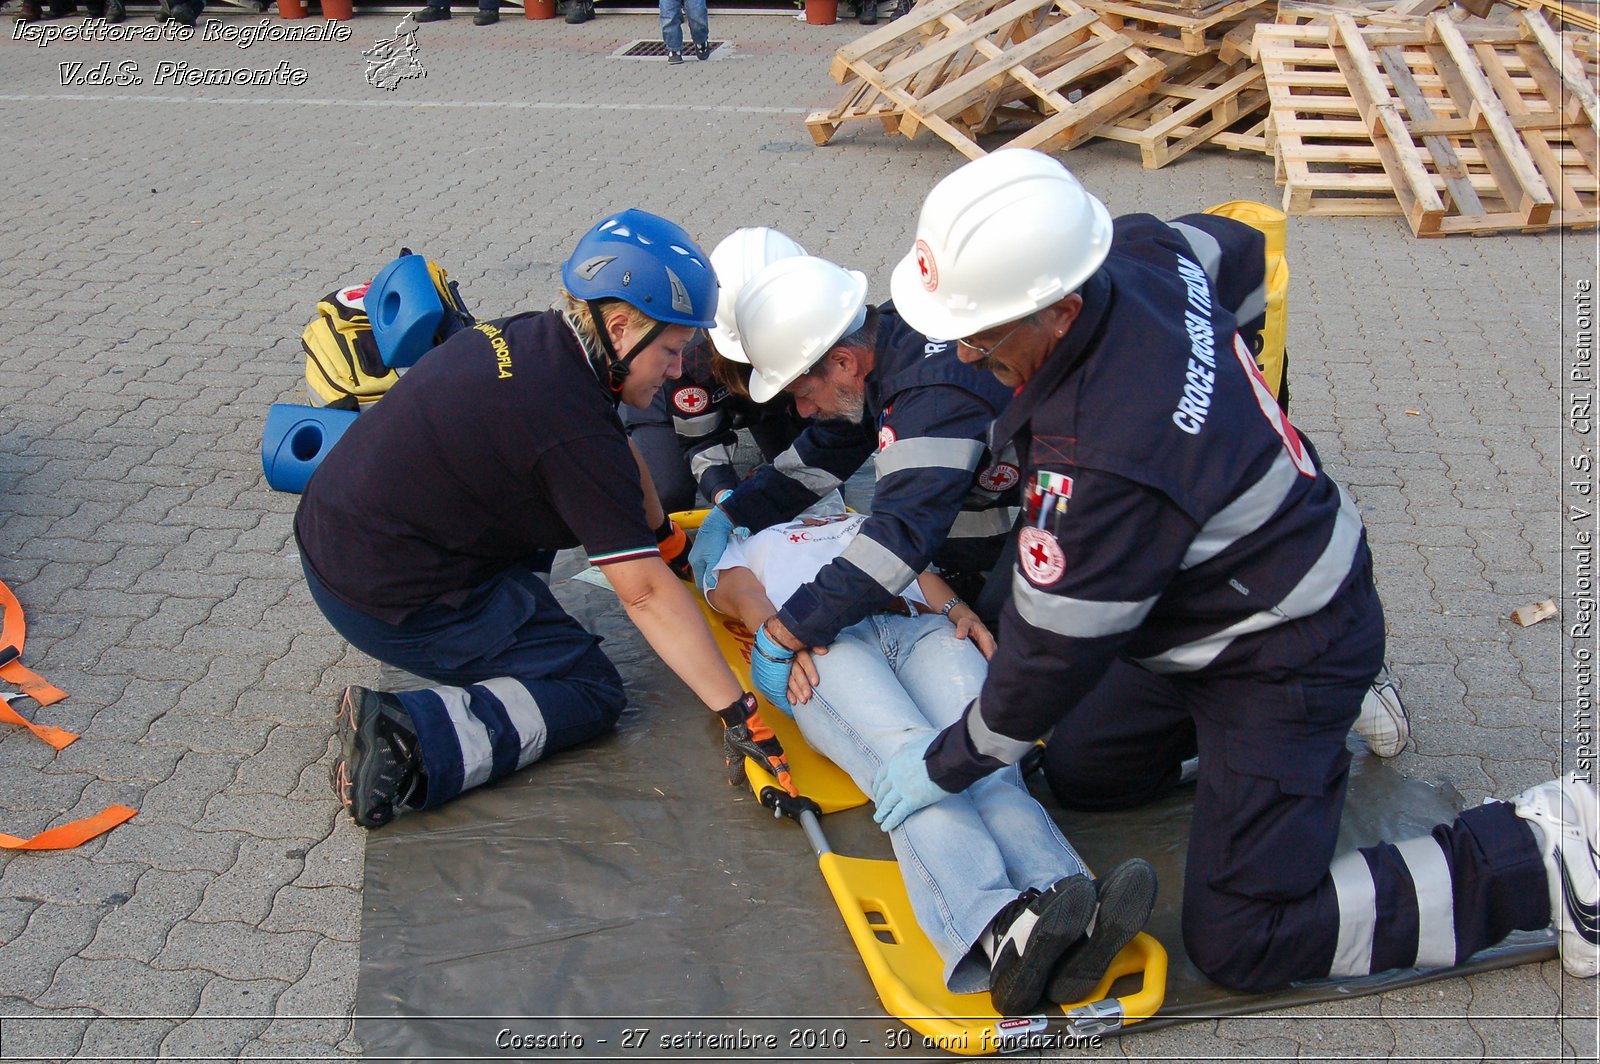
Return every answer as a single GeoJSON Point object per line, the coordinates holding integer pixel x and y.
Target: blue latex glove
{"type": "Point", "coordinates": [902, 786]}
{"type": "Point", "coordinates": [709, 543]}
{"type": "Point", "coordinates": [769, 670]}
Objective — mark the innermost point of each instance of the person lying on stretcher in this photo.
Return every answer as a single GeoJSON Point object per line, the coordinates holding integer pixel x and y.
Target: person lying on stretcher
{"type": "Point", "coordinates": [998, 890]}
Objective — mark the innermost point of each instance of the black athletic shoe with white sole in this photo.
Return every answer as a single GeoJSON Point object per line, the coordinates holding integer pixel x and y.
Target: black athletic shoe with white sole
{"type": "Point", "coordinates": [1127, 895]}
{"type": "Point", "coordinates": [378, 774]}
{"type": "Point", "coordinates": [1567, 813]}
{"type": "Point", "coordinates": [1030, 934]}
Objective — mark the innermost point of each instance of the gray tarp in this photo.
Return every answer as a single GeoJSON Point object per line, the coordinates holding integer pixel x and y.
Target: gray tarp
{"type": "Point", "coordinates": [625, 886]}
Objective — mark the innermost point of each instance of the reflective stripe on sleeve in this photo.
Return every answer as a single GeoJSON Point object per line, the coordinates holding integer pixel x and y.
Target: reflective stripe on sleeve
{"type": "Point", "coordinates": [709, 458]}
{"type": "Point", "coordinates": [1252, 306]}
{"type": "Point", "coordinates": [991, 743]}
{"type": "Point", "coordinates": [1073, 617]}
{"type": "Point", "coordinates": [524, 714]}
{"type": "Point", "coordinates": [1314, 591]}
{"type": "Point", "coordinates": [1245, 514]}
{"type": "Point", "coordinates": [880, 563]}
{"type": "Point", "coordinates": [818, 481]}
{"type": "Point", "coordinates": [982, 524]}
{"type": "Point", "coordinates": [700, 425]}
{"type": "Point", "coordinates": [1205, 248]}
{"type": "Point", "coordinates": [929, 452]}
{"type": "Point", "coordinates": [1436, 906]}
{"type": "Point", "coordinates": [1358, 914]}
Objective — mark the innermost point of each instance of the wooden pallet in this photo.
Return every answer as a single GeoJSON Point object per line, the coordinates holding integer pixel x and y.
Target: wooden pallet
{"type": "Point", "coordinates": [961, 68]}
{"type": "Point", "coordinates": [1579, 15]}
{"type": "Point", "coordinates": [1170, 31]}
{"type": "Point", "coordinates": [1460, 129]}
{"type": "Point", "coordinates": [1198, 101]}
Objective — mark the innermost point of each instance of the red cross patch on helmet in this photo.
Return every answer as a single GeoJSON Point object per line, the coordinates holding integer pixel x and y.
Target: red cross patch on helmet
{"type": "Point", "coordinates": [1040, 556]}
{"type": "Point", "coordinates": [691, 400]}
{"type": "Point", "coordinates": [926, 266]}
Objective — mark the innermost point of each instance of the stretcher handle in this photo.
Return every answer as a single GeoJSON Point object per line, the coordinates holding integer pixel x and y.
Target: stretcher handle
{"type": "Point", "coordinates": [800, 809]}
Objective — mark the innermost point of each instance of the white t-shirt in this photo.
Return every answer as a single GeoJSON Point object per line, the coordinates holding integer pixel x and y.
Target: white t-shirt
{"type": "Point", "coordinates": [786, 556]}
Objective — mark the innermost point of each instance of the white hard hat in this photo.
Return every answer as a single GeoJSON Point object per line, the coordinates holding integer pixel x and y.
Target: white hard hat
{"type": "Point", "coordinates": [791, 313]}
{"type": "Point", "coordinates": [999, 238]}
{"type": "Point", "coordinates": [739, 257]}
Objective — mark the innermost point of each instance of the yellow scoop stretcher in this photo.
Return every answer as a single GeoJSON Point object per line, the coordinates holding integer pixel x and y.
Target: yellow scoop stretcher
{"type": "Point", "coordinates": [905, 968]}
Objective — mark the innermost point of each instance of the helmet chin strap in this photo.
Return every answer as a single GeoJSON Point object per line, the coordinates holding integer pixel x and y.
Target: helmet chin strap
{"type": "Point", "coordinates": [616, 371]}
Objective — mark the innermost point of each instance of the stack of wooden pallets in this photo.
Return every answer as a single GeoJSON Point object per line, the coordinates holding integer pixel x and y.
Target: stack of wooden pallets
{"type": "Point", "coordinates": [1460, 128]}
{"type": "Point", "coordinates": [1061, 70]}
{"type": "Point", "coordinates": [962, 68]}
{"type": "Point", "coordinates": [1211, 93]}
{"type": "Point", "coordinates": [1365, 106]}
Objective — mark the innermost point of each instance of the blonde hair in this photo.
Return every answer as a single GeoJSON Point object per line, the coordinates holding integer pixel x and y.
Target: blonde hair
{"type": "Point", "coordinates": [578, 312]}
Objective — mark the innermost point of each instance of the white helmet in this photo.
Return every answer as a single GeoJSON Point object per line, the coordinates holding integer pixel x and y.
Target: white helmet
{"type": "Point", "coordinates": [790, 315]}
{"type": "Point", "coordinates": [999, 238]}
{"type": "Point", "coordinates": [739, 257]}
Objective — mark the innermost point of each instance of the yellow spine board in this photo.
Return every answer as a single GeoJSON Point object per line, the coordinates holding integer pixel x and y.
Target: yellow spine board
{"type": "Point", "coordinates": [871, 895]}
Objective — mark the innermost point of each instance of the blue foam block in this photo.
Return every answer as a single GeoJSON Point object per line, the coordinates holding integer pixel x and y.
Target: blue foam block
{"type": "Point", "coordinates": [405, 310]}
{"type": "Point", "coordinates": [296, 439]}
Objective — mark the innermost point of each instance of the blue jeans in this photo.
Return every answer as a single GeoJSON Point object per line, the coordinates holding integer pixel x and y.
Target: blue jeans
{"type": "Point", "coordinates": [888, 681]}
{"type": "Point", "coordinates": [518, 678]}
{"type": "Point", "coordinates": [672, 30]}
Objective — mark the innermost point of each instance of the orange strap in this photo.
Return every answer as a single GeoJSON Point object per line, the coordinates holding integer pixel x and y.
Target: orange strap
{"type": "Point", "coordinates": [12, 634]}
{"type": "Point", "coordinates": [67, 836]}
{"type": "Point", "coordinates": [56, 737]}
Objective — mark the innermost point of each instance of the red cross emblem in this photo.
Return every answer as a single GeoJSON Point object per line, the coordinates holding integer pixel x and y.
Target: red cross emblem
{"type": "Point", "coordinates": [1040, 556]}
{"type": "Point", "coordinates": [999, 477]}
{"type": "Point", "coordinates": [926, 266]}
{"type": "Point", "coordinates": [691, 400]}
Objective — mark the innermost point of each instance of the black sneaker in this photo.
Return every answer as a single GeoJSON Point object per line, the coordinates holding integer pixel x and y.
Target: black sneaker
{"type": "Point", "coordinates": [867, 12]}
{"type": "Point", "coordinates": [486, 18]}
{"type": "Point", "coordinates": [184, 13]}
{"type": "Point", "coordinates": [116, 11]}
{"type": "Point", "coordinates": [1031, 933]}
{"type": "Point", "coordinates": [378, 774]}
{"type": "Point", "coordinates": [63, 8]}
{"type": "Point", "coordinates": [431, 14]}
{"type": "Point", "coordinates": [579, 11]}
{"type": "Point", "coordinates": [702, 52]}
{"type": "Point", "coordinates": [1127, 895]}
{"type": "Point", "coordinates": [674, 58]}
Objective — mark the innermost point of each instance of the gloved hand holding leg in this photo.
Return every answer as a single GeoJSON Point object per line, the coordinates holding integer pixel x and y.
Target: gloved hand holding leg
{"type": "Point", "coordinates": [903, 786]}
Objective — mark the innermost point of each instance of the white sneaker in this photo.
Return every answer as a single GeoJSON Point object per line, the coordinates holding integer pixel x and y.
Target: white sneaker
{"type": "Point", "coordinates": [1567, 814]}
{"type": "Point", "coordinates": [1383, 723]}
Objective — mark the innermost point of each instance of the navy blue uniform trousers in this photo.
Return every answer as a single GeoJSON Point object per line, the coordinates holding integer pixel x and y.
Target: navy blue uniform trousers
{"type": "Point", "coordinates": [520, 678]}
{"type": "Point", "coordinates": [1260, 907]}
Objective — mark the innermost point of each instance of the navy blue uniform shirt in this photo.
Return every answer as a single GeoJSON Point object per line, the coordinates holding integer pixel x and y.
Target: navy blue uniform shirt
{"type": "Point", "coordinates": [940, 497]}
{"type": "Point", "coordinates": [498, 443]}
{"type": "Point", "coordinates": [1171, 514]}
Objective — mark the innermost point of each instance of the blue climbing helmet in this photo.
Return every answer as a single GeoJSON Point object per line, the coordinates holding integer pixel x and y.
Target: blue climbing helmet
{"type": "Point", "coordinates": [648, 262]}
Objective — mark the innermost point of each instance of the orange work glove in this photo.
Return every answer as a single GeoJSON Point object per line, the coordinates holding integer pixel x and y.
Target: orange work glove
{"type": "Point", "coordinates": [674, 547]}
{"type": "Point", "coordinates": [744, 735]}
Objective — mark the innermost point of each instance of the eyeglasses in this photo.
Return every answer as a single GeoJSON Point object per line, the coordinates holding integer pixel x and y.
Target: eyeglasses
{"type": "Point", "coordinates": [986, 352]}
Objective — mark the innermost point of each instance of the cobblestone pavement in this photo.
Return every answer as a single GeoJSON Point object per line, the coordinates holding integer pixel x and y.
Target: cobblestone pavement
{"type": "Point", "coordinates": [165, 244]}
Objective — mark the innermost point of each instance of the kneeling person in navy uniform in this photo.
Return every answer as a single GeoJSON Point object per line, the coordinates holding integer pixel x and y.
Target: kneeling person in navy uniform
{"type": "Point", "coordinates": [1191, 581]}
{"type": "Point", "coordinates": [426, 532]}
{"type": "Point", "coordinates": [873, 387]}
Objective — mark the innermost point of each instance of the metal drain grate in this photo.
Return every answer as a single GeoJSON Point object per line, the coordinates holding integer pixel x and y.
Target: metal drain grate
{"type": "Point", "coordinates": [654, 50]}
